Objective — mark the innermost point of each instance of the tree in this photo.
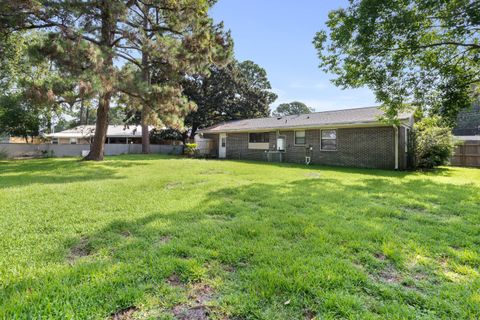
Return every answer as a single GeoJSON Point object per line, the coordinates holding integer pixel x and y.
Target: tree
{"type": "Point", "coordinates": [29, 76]}
{"type": "Point", "coordinates": [88, 36]}
{"type": "Point", "coordinates": [409, 52]}
{"type": "Point", "coordinates": [172, 39]}
{"type": "Point", "coordinates": [18, 118]}
{"type": "Point", "coordinates": [236, 91]}
{"type": "Point", "coordinates": [292, 108]}
{"type": "Point", "coordinates": [88, 30]}
{"type": "Point", "coordinates": [433, 143]}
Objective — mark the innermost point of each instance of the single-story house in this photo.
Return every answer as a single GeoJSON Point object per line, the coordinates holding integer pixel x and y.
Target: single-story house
{"type": "Point", "coordinates": [116, 134]}
{"type": "Point", "coordinates": [353, 137]}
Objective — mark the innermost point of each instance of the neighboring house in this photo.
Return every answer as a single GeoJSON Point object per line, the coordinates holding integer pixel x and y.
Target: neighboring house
{"type": "Point", "coordinates": [116, 134]}
{"type": "Point", "coordinates": [353, 137]}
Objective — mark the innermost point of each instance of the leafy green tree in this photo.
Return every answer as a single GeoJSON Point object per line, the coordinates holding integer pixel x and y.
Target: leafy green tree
{"type": "Point", "coordinates": [419, 52]}
{"type": "Point", "coordinates": [433, 143]}
{"type": "Point", "coordinates": [292, 108]}
{"type": "Point", "coordinates": [88, 36]}
{"type": "Point", "coordinates": [18, 118]}
{"type": "Point", "coordinates": [82, 36]}
{"type": "Point", "coordinates": [236, 91]}
{"type": "Point", "coordinates": [29, 76]}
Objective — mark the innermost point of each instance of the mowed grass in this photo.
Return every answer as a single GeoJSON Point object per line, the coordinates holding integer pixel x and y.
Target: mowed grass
{"type": "Point", "coordinates": [159, 237]}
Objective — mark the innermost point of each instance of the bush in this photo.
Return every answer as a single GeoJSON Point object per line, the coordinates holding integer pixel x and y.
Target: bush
{"type": "Point", "coordinates": [190, 149]}
{"type": "Point", "coordinates": [433, 143]}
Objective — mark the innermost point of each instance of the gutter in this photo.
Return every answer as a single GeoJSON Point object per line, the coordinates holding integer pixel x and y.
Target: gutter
{"type": "Point", "coordinates": [395, 129]}
{"type": "Point", "coordinates": [300, 127]}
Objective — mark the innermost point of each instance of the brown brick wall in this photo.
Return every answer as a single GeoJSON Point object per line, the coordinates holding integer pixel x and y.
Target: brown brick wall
{"type": "Point", "coordinates": [237, 147]}
{"type": "Point", "coordinates": [356, 147]}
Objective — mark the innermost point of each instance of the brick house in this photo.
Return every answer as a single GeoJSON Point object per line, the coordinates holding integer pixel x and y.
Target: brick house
{"type": "Point", "coordinates": [353, 138]}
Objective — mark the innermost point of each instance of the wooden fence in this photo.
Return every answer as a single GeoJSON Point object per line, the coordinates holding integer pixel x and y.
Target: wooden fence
{"type": "Point", "coordinates": [467, 154]}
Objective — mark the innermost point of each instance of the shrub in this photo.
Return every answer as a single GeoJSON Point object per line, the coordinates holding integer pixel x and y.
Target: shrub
{"type": "Point", "coordinates": [191, 149]}
{"type": "Point", "coordinates": [433, 143]}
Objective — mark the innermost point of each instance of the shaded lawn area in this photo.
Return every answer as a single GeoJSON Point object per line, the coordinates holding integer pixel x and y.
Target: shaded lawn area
{"type": "Point", "coordinates": [160, 237]}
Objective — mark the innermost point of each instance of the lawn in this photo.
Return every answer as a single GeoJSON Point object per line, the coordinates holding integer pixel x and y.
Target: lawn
{"type": "Point", "coordinates": [160, 237]}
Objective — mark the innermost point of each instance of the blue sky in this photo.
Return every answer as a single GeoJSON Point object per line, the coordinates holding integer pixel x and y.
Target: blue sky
{"type": "Point", "coordinates": [278, 34]}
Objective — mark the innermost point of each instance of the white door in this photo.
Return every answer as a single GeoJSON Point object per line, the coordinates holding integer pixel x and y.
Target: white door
{"type": "Point", "coordinates": [281, 143]}
{"type": "Point", "coordinates": [222, 145]}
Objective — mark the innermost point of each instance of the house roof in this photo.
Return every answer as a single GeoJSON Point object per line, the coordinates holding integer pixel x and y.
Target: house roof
{"type": "Point", "coordinates": [87, 131]}
{"type": "Point", "coordinates": [356, 116]}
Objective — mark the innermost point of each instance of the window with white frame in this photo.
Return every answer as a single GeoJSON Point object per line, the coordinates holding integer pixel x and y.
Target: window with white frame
{"type": "Point", "coordinates": [54, 140]}
{"type": "Point", "coordinates": [258, 137]}
{"type": "Point", "coordinates": [73, 140]}
{"type": "Point", "coordinates": [300, 137]}
{"type": "Point", "coordinates": [328, 140]}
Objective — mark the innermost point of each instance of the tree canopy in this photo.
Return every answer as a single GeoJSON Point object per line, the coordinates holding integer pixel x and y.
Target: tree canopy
{"type": "Point", "coordinates": [91, 38]}
{"type": "Point", "coordinates": [292, 108]}
{"type": "Point", "coordinates": [409, 52]}
{"type": "Point", "coordinates": [237, 91]}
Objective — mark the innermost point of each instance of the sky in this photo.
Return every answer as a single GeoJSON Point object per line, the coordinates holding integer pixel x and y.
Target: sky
{"type": "Point", "coordinates": [277, 35]}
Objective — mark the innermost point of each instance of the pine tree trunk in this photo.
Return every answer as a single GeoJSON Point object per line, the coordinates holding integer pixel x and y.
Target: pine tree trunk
{"type": "Point", "coordinates": [107, 36]}
{"type": "Point", "coordinates": [82, 113]}
{"type": "Point", "coordinates": [145, 133]}
{"type": "Point", "coordinates": [146, 78]}
{"type": "Point", "coordinates": [98, 145]}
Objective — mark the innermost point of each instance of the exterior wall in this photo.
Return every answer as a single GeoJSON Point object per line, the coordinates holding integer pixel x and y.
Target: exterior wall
{"type": "Point", "coordinates": [213, 145]}
{"type": "Point", "coordinates": [237, 147]}
{"type": "Point", "coordinates": [14, 150]}
{"type": "Point", "coordinates": [367, 147]}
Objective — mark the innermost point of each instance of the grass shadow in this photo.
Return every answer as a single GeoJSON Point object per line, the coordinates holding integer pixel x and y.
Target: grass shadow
{"type": "Point", "coordinates": [311, 242]}
{"type": "Point", "coordinates": [17, 173]}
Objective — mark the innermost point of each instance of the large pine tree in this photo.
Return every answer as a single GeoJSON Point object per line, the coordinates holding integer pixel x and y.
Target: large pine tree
{"type": "Point", "coordinates": [93, 36]}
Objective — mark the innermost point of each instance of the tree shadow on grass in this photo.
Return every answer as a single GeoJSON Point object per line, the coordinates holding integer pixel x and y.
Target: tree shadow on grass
{"type": "Point", "coordinates": [20, 173]}
{"type": "Point", "coordinates": [309, 242]}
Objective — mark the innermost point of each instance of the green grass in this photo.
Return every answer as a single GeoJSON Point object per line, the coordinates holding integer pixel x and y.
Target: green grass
{"type": "Point", "coordinates": [241, 240]}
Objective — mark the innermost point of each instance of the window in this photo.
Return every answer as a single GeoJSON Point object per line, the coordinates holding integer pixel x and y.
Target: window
{"type": "Point", "coordinates": [329, 140]}
{"type": "Point", "coordinates": [260, 137]}
{"type": "Point", "coordinates": [299, 137]}
{"type": "Point", "coordinates": [73, 140]}
{"type": "Point", "coordinates": [54, 140]}
{"type": "Point", "coordinates": [224, 142]}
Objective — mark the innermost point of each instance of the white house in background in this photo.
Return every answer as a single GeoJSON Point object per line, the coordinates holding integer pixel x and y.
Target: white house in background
{"type": "Point", "coordinates": [116, 134]}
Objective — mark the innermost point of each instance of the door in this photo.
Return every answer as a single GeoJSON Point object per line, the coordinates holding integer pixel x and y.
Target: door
{"type": "Point", "coordinates": [281, 143]}
{"type": "Point", "coordinates": [222, 145]}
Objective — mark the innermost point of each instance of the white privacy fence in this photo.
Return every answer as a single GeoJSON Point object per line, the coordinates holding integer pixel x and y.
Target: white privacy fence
{"type": "Point", "coordinates": [17, 150]}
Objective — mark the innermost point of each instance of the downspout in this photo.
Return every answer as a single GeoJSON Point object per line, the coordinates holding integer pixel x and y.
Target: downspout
{"type": "Point", "coordinates": [395, 129]}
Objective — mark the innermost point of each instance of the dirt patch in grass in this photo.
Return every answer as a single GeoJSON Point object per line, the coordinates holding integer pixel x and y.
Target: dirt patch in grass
{"type": "Point", "coordinates": [79, 250]}
{"type": "Point", "coordinates": [380, 256]}
{"type": "Point", "coordinates": [214, 171]}
{"type": "Point", "coordinates": [313, 175]}
{"type": "Point", "coordinates": [163, 240]}
{"type": "Point", "coordinates": [173, 185]}
{"type": "Point", "coordinates": [125, 233]}
{"type": "Point", "coordinates": [390, 275]}
{"type": "Point", "coordinates": [197, 305]}
{"type": "Point", "coordinates": [124, 314]}
{"type": "Point", "coordinates": [309, 315]}
{"type": "Point", "coordinates": [174, 281]}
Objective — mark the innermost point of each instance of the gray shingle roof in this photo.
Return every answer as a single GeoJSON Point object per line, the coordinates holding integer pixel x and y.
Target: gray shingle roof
{"type": "Point", "coordinates": [327, 118]}
{"type": "Point", "coordinates": [86, 131]}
